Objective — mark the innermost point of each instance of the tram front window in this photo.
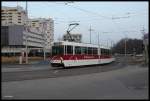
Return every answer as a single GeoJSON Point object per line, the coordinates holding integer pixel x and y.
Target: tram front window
{"type": "Point", "coordinates": [57, 50]}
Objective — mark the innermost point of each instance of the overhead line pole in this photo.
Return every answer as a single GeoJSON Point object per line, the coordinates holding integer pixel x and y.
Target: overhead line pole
{"type": "Point", "coordinates": [26, 33]}
{"type": "Point", "coordinates": [90, 32]}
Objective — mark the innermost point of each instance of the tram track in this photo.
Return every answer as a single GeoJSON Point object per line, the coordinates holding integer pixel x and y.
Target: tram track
{"type": "Point", "coordinates": [58, 72]}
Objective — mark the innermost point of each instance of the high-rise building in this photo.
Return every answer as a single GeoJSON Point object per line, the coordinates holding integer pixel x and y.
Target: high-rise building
{"type": "Point", "coordinates": [40, 31]}
{"type": "Point", "coordinates": [44, 26]}
{"type": "Point", "coordinates": [13, 16]}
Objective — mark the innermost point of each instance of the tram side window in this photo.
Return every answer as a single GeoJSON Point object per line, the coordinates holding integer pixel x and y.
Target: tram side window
{"type": "Point", "coordinates": [109, 52]}
{"type": "Point", "coordinates": [102, 51]}
{"type": "Point", "coordinates": [95, 51]}
{"type": "Point", "coordinates": [105, 51]}
{"type": "Point", "coordinates": [77, 50]}
{"type": "Point", "coordinates": [57, 50]}
{"type": "Point", "coordinates": [84, 50]}
{"type": "Point", "coordinates": [69, 49]}
{"type": "Point", "coordinates": [89, 50]}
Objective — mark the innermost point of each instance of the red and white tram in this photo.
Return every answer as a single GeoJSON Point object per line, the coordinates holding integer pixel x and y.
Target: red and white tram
{"type": "Point", "coordinates": [70, 54]}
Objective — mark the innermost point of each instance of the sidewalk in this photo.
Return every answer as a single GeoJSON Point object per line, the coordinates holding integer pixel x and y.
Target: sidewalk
{"type": "Point", "coordinates": [26, 68]}
{"type": "Point", "coordinates": [38, 65]}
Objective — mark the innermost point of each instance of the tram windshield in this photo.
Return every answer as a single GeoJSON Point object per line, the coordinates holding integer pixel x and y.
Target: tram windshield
{"type": "Point", "coordinates": [57, 50]}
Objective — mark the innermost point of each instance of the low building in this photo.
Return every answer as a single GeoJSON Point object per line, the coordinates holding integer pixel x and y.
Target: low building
{"type": "Point", "coordinates": [75, 37]}
{"type": "Point", "coordinates": [13, 39]}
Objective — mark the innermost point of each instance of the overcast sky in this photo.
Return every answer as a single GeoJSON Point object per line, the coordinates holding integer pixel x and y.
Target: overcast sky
{"type": "Point", "coordinates": [112, 20]}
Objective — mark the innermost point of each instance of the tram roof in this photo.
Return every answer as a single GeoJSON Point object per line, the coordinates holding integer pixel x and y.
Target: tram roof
{"type": "Point", "coordinates": [78, 44]}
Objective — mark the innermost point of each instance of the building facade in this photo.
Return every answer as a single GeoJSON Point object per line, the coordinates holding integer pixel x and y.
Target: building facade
{"type": "Point", "coordinates": [13, 16]}
{"type": "Point", "coordinates": [45, 27]}
{"type": "Point", "coordinates": [13, 39]}
{"type": "Point", "coordinates": [15, 26]}
{"type": "Point", "coordinates": [75, 37]}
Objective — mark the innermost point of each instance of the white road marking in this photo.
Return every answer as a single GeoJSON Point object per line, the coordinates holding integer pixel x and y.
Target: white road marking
{"type": "Point", "coordinates": [56, 71]}
{"type": "Point", "coordinates": [8, 96]}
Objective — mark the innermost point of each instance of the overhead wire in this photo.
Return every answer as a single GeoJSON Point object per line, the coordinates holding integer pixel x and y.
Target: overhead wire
{"type": "Point", "coordinates": [106, 17]}
{"type": "Point", "coordinates": [102, 16]}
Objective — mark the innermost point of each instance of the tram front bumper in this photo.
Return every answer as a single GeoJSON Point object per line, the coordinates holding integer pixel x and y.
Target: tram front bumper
{"type": "Point", "coordinates": [56, 62]}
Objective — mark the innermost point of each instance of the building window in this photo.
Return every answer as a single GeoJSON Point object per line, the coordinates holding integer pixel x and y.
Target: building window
{"type": "Point", "coordinates": [13, 10]}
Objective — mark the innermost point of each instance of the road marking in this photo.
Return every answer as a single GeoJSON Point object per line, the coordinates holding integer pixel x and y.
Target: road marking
{"type": "Point", "coordinates": [8, 96]}
{"type": "Point", "coordinates": [56, 71]}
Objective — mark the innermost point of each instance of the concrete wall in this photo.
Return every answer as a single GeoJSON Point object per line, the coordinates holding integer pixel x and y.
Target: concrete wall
{"type": "Point", "coordinates": [16, 35]}
{"type": "Point", "coordinates": [11, 35]}
{"type": "Point", "coordinates": [4, 35]}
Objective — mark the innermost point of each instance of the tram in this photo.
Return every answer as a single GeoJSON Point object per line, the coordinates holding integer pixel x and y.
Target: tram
{"type": "Point", "coordinates": [69, 54]}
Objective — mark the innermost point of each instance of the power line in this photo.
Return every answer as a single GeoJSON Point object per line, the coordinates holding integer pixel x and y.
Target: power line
{"type": "Point", "coordinates": [90, 12]}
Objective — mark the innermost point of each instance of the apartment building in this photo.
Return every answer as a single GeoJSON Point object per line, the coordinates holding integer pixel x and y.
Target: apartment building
{"type": "Point", "coordinates": [40, 31]}
{"type": "Point", "coordinates": [44, 26]}
{"type": "Point", "coordinates": [75, 37]}
{"type": "Point", "coordinates": [13, 16]}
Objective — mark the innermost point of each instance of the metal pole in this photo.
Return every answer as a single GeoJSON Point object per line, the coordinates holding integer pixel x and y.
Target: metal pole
{"type": "Point", "coordinates": [90, 34]}
{"type": "Point", "coordinates": [26, 34]}
{"type": "Point", "coordinates": [44, 51]}
{"type": "Point", "coordinates": [99, 49]}
{"type": "Point", "coordinates": [98, 38]}
{"type": "Point", "coordinates": [44, 39]}
{"type": "Point", "coordinates": [125, 46]}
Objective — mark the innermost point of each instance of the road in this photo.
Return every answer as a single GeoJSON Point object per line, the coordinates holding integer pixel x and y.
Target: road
{"type": "Point", "coordinates": [36, 71]}
{"type": "Point", "coordinates": [113, 81]}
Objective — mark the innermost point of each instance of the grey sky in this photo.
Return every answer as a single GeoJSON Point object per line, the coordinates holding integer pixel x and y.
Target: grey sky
{"type": "Point", "coordinates": [131, 17]}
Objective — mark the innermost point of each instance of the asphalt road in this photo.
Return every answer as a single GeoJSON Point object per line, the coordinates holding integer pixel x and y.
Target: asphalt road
{"type": "Point", "coordinates": [117, 80]}
{"type": "Point", "coordinates": [43, 69]}
{"type": "Point", "coordinates": [37, 71]}
{"type": "Point", "coordinates": [125, 83]}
